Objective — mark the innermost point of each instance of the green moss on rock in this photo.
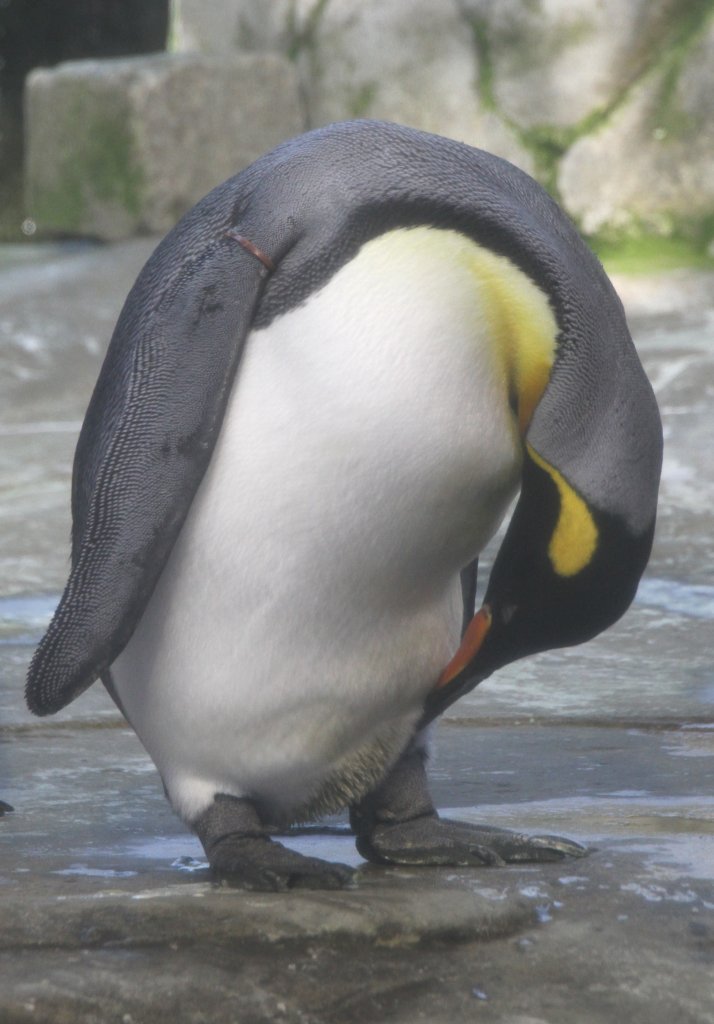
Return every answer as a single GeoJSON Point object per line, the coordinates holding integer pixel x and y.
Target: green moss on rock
{"type": "Point", "coordinates": [101, 170]}
{"type": "Point", "coordinates": [361, 101]}
{"type": "Point", "coordinates": [689, 242]}
{"type": "Point", "coordinates": [484, 79]}
{"type": "Point", "coordinates": [110, 164]}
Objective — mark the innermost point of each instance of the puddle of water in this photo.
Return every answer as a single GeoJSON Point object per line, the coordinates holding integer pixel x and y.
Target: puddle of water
{"type": "Point", "coordinates": [592, 819]}
{"type": "Point", "coordinates": [83, 870]}
{"type": "Point", "coordinates": [628, 794]}
{"type": "Point", "coordinates": [184, 852]}
{"type": "Point", "coordinates": [667, 859]}
{"type": "Point", "coordinates": [189, 864]}
{"type": "Point", "coordinates": [40, 427]}
{"type": "Point", "coordinates": [24, 619]}
{"type": "Point", "coordinates": [340, 849]}
{"type": "Point", "coordinates": [533, 892]}
{"type": "Point", "coordinates": [692, 600]}
{"type": "Point", "coordinates": [177, 851]}
{"type": "Point", "coordinates": [691, 744]}
{"type": "Point", "coordinates": [657, 893]}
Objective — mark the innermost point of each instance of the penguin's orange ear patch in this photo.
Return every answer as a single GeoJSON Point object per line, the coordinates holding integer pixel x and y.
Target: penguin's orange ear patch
{"type": "Point", "coordinates": [575, 537]}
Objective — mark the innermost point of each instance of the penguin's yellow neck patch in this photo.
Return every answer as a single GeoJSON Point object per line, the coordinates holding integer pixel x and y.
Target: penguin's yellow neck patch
{"type": "Point", "coordinates": [521, 322]}
{"type": "Point", "coordinates": [575, 537]}
{"type": "Point", "coordinates": [521, 328]}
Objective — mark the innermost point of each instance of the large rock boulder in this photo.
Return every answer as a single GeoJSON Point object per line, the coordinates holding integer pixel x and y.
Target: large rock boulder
{"type": "Point", "coordinates": [556, 62]}
{"type": "Point", "coordinates": [607, 103]}
{"type": "Point", "coordinates": [224, 26]}
{"type": "Point", "coordinates": [117, 147]}
{"type": "Point", "coordinates": [650, 167]}
{"type": "Point", "coordinates": [410, 61]}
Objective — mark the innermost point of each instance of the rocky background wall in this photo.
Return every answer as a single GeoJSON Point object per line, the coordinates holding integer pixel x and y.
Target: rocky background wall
{"type": "Point", "coordinates": [609, 103]}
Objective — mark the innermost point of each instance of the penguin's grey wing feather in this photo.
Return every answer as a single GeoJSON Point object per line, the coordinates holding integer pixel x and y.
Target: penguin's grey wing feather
{"type": "Point", "coordinates": [145, 444]}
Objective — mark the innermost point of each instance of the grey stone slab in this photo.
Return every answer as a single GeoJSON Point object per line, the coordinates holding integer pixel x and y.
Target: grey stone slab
{"type": "Point", "coordinates": [107, 913]}
{"type": "Point", "coordinates": [403, 912]}
{"type": "Point", "coordinates": [585, 960]}
{"type": "Point", "coordinates": [125, 146]}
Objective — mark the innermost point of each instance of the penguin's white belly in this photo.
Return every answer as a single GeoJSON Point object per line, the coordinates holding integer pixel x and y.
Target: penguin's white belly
{"type": "Point", "coordinates": [368, 452]}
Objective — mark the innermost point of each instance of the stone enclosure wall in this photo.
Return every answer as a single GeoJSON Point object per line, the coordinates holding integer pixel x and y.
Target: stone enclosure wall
{"type": "Point", "coordinates": [610, 103]}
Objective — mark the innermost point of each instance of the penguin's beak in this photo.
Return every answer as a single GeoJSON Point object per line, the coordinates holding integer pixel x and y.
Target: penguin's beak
{"type": "Point", "coordinates": [473, 639]}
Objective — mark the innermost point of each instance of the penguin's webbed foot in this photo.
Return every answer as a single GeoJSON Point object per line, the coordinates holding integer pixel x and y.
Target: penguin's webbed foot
{"type": "Point", "coordinates": [241, 853]}
{"type": "Point", "coordinates": [261, 863]}
{"type": "Point", "coordinates": [5, 808]}
{"type": "Point", "coordinates": [439, 841]}
{"type": "Point", "coordinates": [397, 824]}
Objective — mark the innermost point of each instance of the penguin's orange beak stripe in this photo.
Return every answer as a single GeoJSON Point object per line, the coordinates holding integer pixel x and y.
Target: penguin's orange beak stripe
{"type": "Point", "coordinates": [470, 645]}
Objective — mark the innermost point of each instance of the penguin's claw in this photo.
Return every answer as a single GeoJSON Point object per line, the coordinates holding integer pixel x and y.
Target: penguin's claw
{"type": "Point", "coordinates": [438, 841]}
{"type": "Point", "coordinates": [261, 864]}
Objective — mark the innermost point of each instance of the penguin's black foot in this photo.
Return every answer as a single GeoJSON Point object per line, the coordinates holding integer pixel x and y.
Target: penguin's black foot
{"type": "Point", "coordinates": [265, 865]}
{"type": "Point", "coordinates": [241, 853]}
{"type": "Point", "coordinates": [439, 841]}
{"type": "Point", "coordinates": [397, 824]}
{"type": "Point", "coordinates": [4, 808]}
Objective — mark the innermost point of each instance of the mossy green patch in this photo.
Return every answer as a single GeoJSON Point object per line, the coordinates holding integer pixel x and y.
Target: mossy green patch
{"type": "Point", "coordinates": [690, 25]}
{"type": "Point", "coordinates": [109, 163]}
{"type": "Point", "coordinates": [100, 168]}
{"type": "Point", "coordinates": [60, 208]}
{"type": "Point", "coordinates": [649, 254]}
{"type": "Point", "coordinates": [548, 143]}
{"type": "Point", "coordinates": [303, 37]}
{"type": "Point", "coordinates": [361, 100]}
{"type": "Point", "coordinates": [484, 79]}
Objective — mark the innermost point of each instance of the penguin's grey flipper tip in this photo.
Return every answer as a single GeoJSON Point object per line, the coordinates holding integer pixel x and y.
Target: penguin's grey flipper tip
{"type": "Point", "coordinates": [60, 669]}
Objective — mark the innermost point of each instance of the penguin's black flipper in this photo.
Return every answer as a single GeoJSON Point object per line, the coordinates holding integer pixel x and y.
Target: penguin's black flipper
{"type": "Point", "coordinates": [146, 442]}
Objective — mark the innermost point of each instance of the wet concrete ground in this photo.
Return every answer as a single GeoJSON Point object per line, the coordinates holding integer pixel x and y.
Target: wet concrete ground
{"type": "Point", "coordinates": [107, 911]}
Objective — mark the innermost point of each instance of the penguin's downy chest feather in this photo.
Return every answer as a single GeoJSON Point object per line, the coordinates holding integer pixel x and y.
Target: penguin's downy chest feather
{"type": "Point", "coordinates": [369, 450]}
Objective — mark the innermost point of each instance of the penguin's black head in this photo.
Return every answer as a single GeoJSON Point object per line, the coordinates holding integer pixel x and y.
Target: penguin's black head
{"type": "Point", "coordinates": [566, 570]}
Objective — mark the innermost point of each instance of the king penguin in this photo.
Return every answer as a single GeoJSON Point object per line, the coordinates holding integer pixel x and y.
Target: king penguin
{"type": "Point", "coordinates": [324, 390]}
